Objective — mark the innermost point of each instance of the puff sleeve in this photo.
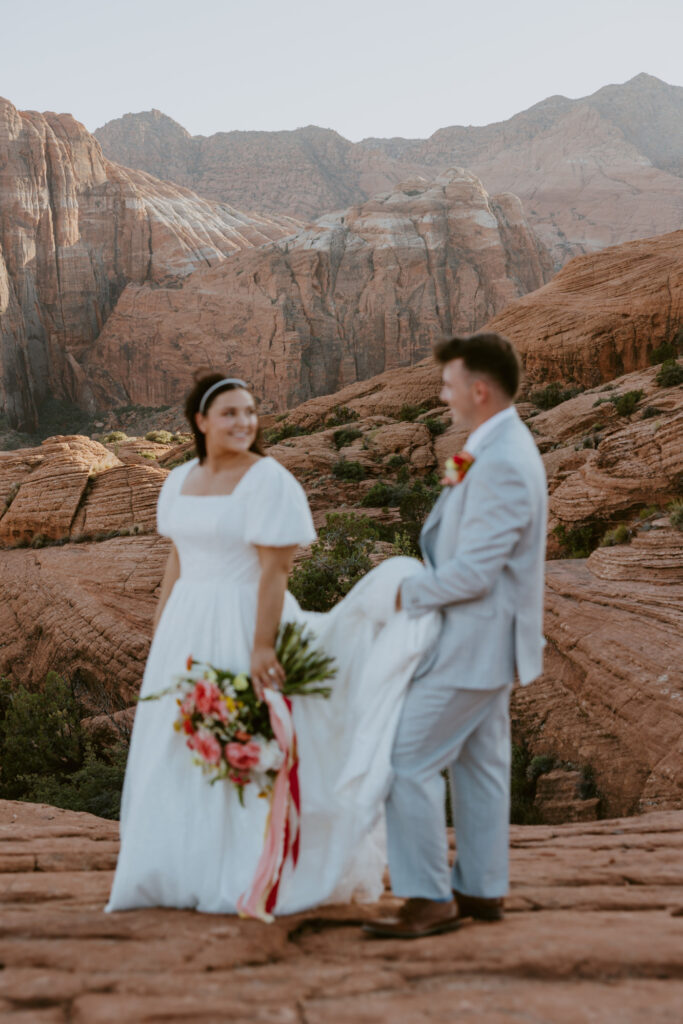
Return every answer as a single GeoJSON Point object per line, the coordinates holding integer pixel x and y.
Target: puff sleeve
{"type": "Point", "coordinates": [170, 488]}
{"type": "Point", "coordinates": [278, 513]}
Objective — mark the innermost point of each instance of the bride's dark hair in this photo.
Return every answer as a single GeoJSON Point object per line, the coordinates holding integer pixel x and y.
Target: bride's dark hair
{"type": "Point", "coordinates": [194, 400]}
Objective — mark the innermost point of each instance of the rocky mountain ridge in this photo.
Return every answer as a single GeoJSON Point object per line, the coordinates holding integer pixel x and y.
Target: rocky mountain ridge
{"type": "Point", "coordinates": [591, 172]}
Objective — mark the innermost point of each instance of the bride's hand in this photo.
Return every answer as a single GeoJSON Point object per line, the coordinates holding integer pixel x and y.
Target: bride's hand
{"type": "Point", "coordinates": [265, 670]}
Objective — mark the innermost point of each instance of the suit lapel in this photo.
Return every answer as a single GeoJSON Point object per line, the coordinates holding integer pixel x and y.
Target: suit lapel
{"type": "Point", "coordinates": [433, 520]}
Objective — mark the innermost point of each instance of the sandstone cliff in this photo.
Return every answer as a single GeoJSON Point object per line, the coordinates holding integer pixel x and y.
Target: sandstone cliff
{"type": "Point", "coordinates": [360, 291]}
{"type": "Point", "coordinates": [74, 230]}
{"type": "Point", "coordinates": [591, 172]}
{"type": "Point", "coordinates": [602, 315]}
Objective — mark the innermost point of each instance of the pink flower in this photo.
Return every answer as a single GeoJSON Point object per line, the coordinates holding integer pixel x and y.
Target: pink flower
{"type": "Point", "coordinates": [206, 745]}
{"type": "Point", "coordinates": [243, 756]}
{"type": "Point", "coordinates": [207, 698]}
{"type": "Point", "coordinates": [187, 705]}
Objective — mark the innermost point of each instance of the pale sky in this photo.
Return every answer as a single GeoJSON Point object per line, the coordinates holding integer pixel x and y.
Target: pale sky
{"type": "Point", "coordinates": [362, 67]}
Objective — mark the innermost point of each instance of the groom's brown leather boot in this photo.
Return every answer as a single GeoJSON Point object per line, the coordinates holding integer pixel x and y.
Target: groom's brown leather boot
{"type": "Point", "coordinates": [415, 919]}
{"type": "Point", "coordinates": [479, 908]}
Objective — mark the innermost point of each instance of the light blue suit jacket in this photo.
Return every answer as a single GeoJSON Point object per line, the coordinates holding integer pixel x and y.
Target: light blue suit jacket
{"type": "Point", "coordinates": [484, 549]}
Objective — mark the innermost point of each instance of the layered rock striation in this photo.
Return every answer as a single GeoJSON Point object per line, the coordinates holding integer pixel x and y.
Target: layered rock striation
{"type": "Point", "coordinates": [602, 315]}
{"type": "Point", "coordinates": [75, 229]}
{"type": "Point", "coordinates": [359, 292]}
{"type": "Point", "coordinates": [592, 935]}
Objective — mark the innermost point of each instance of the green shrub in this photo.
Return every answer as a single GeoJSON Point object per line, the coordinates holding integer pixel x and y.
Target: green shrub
{"type": "Point", "coordinates": [404, 544]}
{"type": "Point", "coordinates": [539, 765]}
{"type": "Point", "coordinates": [578, 541]}
{"type": "Point", "coordinates": [347, 470]}
{"type": "Point", "coordinates": [339, 558]}
{"type": "Point", "coordinates": [409, 413]}
{"type": "Point", "coordinates": [381, 495]}
{"type": "Point", "coordinates": [675, 510]}
{"type": "Point", "coordinates": [47, 756]}
{"type": "Point", "coordinates": [670, 374]}
{"type": "Point", "coordinates": [522, 788]}
{"type": "Point", "coordinates": [619, 535]}
{"type": "Point", "coordinates": [341, 415]}
{"type": "Point", "coordinates": [396, 461]}
{"type": "Point", "coordinates": [645, 513]}
{"type": "Point", "coordinates": [650, 411]}
{"type": "Point", "coordinates": [346, 436]}
{"type": "Point", "coordinates": [277, 434]}
{"type": "Point", "coordinates": [435, 426]}
{"type": "Point", "coordinates": [114, 436]}
{"type": "Point", "coordinates": [553, 394]}
{"type": "Point", "coordinates": [625, 404]}
{"type": "Point", "coordinates": [666, 351]}
{"type": "Point", "coordinates": [160, 436]}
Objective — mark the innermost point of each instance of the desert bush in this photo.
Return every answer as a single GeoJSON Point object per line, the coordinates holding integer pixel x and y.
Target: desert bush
{"type": "Point", "coordinates": [113, 436]}
{"type": "Point", "coordinates": [650, 411]}
{"type": "Point", "coordinates": [409, 413]}
{"type": "Point", "coordinates": [645, 513]}
{"type": "Point", "coordinates": [381, 495]}
{"type": "Point", "coordinates": [435, 426]}
{"type": "Point", "coordinates": [675, 510]}
{"type": "Point", "coordinates": [670, 374]}
{"type": "Point", "coordinates": [277, 434]}
{"type": "Point", "coordinates": [396, 461]}
{"type": "Point", "coordinates": [46, 755]}
{"type": "Point", "coordinates": [625, 404]}
{"type": "Point", "coordinates": [347, 470]}
{"type": "Point", "coordinates": [667, 350]}
{"type": "Point", "coordinates": [539, 765]}
{"type": "Point", "coordinates": [578, 541]}
{"type": "Point", "coordinates": [11, 494]}
{"type": "Point", "coordinates": [160, 436]}
{"type": "Point", "coordinates": [339, 558]}
{"type": "Point", "coordinates": [340, 415]}
{"type": "Point", "coordinates": [553, 394]}
{"type": "Point", "coordinates": [345, 436]}
{"type": "Point", "coordinates": [619, 535]}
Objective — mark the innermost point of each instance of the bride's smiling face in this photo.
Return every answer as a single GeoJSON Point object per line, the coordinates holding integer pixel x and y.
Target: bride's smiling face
{"type": "Point", "coordinates": [230, 424]}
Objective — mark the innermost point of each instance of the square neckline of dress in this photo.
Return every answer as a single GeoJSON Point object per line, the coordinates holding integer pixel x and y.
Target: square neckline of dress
{"type": "Point", "coordinates": [195, 461]}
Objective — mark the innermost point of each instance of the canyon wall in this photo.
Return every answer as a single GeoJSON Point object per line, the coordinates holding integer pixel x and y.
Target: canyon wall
{"type": "Point", "coordinates": [75, 229]}
{"type": "Point", "coordinates": [358, 292]}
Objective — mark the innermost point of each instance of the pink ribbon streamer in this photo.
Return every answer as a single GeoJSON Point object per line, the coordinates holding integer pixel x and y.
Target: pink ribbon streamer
{"type": "Point", "coordinates": [282, 830]}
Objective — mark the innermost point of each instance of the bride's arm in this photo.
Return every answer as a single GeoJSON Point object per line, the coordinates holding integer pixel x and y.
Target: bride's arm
{"type": "Point", "coordinates": [171, 574]}
{"type": "Point", "coordinates": [276, 565]}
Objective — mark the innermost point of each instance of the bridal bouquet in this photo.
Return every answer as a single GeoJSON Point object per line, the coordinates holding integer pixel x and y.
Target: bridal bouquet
{"type": "Point", "coordinates": [229, 730]}
{"type": "Point", "coordinates": [235, 736]}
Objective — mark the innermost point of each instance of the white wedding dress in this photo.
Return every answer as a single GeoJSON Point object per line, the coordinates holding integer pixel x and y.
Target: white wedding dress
{"type": "Point", "coordinates": [187, 843]}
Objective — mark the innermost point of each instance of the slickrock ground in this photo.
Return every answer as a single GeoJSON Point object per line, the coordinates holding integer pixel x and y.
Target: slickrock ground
{"type": "Point", "coordinates": [591, 172]}
{"type": "Point", "coordinates": [361, 291]}
{"type": "Point", "coordinates": [593, 935]}
{"type": "Point", "coordinates": [75, 229]}
{"type": "Point", "coordinates": [602, 315]}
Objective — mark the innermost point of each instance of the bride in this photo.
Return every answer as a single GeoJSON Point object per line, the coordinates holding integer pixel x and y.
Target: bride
{"type": "Point", "coordinates": [235, 518]}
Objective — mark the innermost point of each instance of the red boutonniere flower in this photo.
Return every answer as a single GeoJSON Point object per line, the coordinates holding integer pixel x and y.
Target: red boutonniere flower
{"type": "Point", "coordinates": [456, 468]}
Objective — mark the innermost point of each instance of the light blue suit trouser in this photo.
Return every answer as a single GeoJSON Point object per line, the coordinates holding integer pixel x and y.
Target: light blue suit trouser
{"type": "Point", "coordinates": [468, 732]}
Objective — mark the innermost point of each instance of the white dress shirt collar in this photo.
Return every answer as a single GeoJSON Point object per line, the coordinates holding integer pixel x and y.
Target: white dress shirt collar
{"type": "Point", "coordinates": [474, 441]}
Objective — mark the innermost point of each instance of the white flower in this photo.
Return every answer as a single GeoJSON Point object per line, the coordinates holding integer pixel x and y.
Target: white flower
{"type": "Point", "coordinates": [210, 675]}
{"type": "Point", "coordinates": [271, 756]}
{"type": "Point", "coordinates": [241, 682]}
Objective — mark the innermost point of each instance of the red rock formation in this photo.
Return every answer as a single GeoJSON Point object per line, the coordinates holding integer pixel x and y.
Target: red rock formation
{"type": "Point", "coordinates": [359, 292]}
{"type": "Point", "coordinates": [74, 230]}
{"type": "Point", "coordinates": [611, 697]}
{"type": "Point", "coordinates": [591, 172]}
{"type": "Point", "coordinates": [602, 315]}
{"type": "Point", "coordinates": [592, 936]}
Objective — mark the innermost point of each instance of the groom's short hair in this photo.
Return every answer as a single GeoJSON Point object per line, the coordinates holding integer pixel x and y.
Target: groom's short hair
{"type": "Point", "coordinates": [484, 352]}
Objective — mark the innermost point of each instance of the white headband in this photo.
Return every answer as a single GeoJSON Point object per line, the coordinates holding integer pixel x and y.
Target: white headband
{"type": "Point", "coordinates": [220, 384]}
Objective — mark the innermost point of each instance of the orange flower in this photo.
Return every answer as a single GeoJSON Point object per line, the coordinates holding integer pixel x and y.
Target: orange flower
{"type": "Point", "coordinates": [189, 663]}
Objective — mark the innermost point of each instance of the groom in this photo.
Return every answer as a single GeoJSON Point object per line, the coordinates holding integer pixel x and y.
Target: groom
{"type": "Point", "coordinates": [484, 548]}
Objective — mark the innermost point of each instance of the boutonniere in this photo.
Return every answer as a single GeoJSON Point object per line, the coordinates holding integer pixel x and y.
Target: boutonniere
{"type": "Point", "coordinates": [456, 468]}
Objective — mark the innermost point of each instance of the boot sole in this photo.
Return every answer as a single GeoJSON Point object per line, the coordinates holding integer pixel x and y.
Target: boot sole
{"type": "Point", "coordinates": [378, 932]}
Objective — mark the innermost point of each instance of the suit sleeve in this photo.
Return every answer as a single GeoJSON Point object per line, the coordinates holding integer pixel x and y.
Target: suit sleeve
{"type": "Point", "coordinates": [496, 511]}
